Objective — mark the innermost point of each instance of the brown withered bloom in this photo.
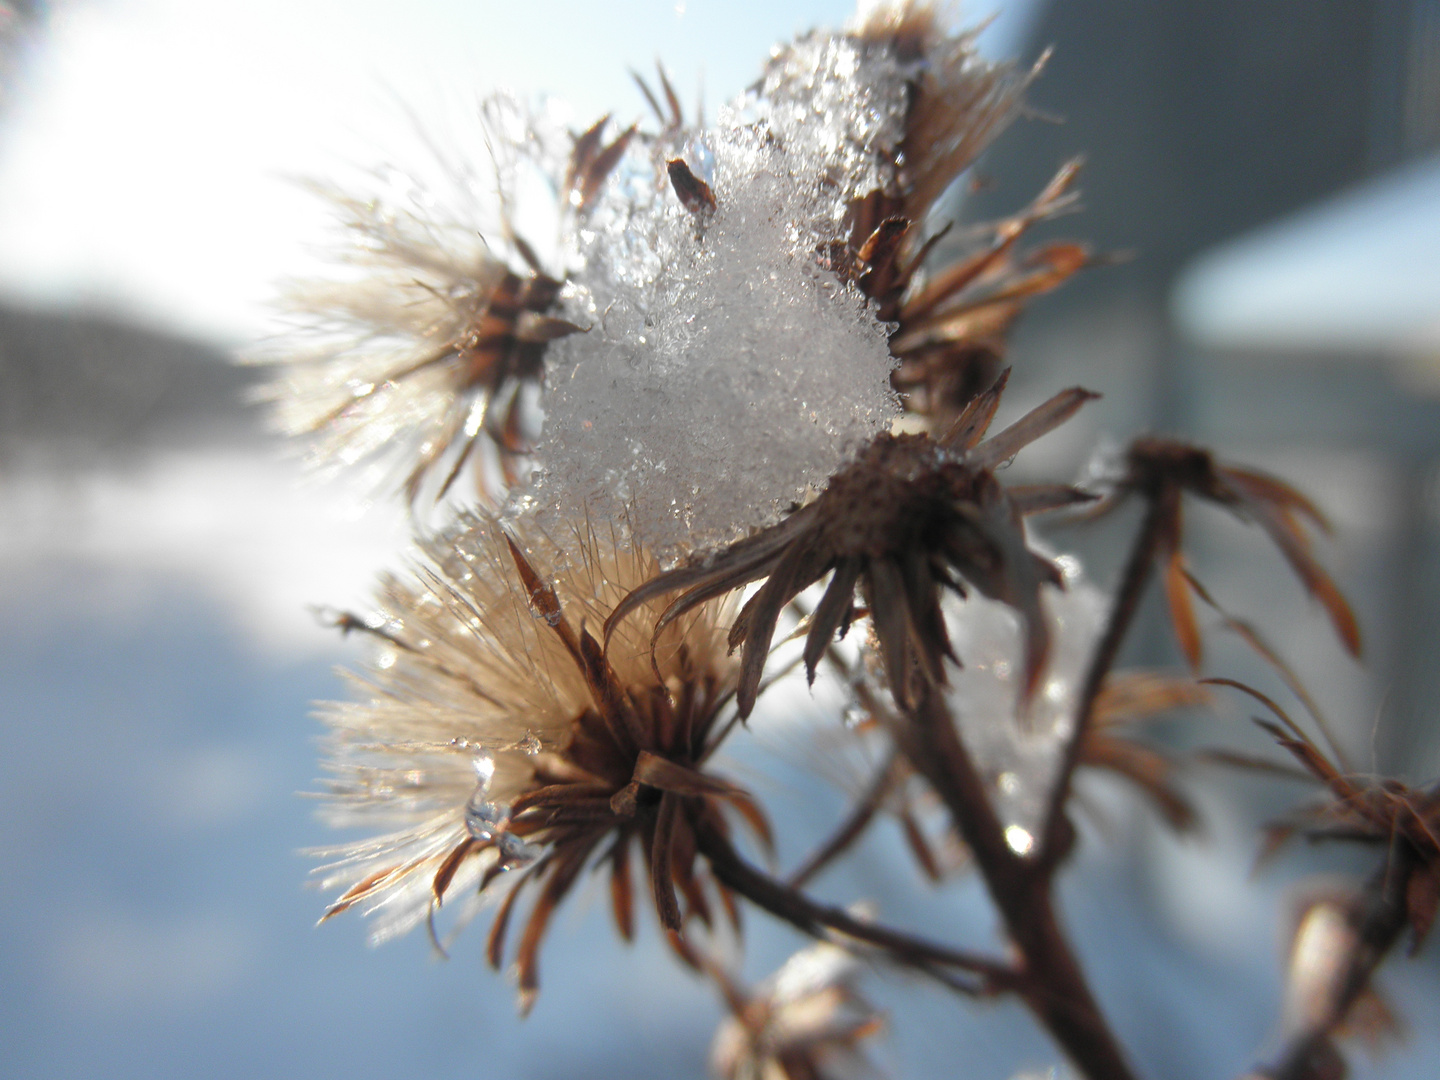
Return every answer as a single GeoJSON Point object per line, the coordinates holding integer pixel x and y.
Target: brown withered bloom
{"type": "Point", "coordinates": [909, 516]}
{"type": "Point", "coordinates": [498, 747]}
{"type": "Point", "coordinates": [950, 327]}
{"type": "Point", "coordinates": [1381, 811]}
{"type": "Point", "coordinates": [1163, 470]}
{"type": "Point", "coordinates": [433, 353]}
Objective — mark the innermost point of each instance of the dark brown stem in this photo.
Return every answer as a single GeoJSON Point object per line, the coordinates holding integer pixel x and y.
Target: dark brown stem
{"type": "Point", "coordinates": [851, 828]}
{"type": "Point", "coordinates": [812, 917]}
{"type": "Point", "coordinates": [1054, 986]}
{"type": "Point", "coordinates": [1378, 916]}
{"type": "Point", "coordinates": [1055, 834]}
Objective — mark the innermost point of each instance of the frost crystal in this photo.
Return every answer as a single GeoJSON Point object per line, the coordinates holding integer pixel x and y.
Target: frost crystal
{"type": "Point", "coordinates": [725, 370]}
{"type": "Point", "coordinates": [1018, 754]}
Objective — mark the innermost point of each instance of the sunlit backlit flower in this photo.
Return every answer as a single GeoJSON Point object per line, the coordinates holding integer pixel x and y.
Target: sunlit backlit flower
{"type": "Point", "coordinates": [424, 354]}
{"type": "Point", "coordinates": [491, 735]}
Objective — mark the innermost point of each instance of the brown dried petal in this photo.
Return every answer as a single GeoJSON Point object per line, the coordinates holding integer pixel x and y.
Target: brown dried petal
{"type": "Point", "coordinates": [622, 896]}
{"type": "Point", "coordinates": [1182, 611]}
{"type": "Point", "coordinates": [972, 424]}
{"type": "Point", "coordinates": [1039, 421]}
{"type": "Point", "coordinates": [661, 867]}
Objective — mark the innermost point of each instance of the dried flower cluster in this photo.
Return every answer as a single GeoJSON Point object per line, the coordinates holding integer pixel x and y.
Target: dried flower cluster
{"type": "Point", "coordinates": [704, 366]}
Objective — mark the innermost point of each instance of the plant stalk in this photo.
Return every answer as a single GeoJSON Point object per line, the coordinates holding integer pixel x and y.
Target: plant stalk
{"type": "Point", "coordinates": [1054, 985]}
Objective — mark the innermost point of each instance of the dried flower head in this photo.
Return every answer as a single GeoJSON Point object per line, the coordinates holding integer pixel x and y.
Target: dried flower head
{"type": "Point", "coordinates": [958, 101]}
{"type": "Point", "coordinates": [491, 734]}
{"type": "Point", "coordinates": [1340, 941]}
{"type": "Point", "coordinates": [806, 1022]}
{"type": "Point", "coordinates": [1162, 470]}
{"type": "Point", "coordinates": [910, 516]}
{"type": "Point", "coordinates": [1381, 811]}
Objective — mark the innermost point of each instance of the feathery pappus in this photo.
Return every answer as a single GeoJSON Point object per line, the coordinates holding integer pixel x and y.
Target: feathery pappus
{"type": "Point", "coordinates": [495, 744]}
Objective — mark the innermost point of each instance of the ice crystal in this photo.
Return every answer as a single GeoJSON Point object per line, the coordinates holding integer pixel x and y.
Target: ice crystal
{"type": "Point", "coordinates": [726, 370]}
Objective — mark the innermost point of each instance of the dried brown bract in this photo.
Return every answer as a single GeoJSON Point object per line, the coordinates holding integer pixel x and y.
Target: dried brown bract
{"type": "Point", "coordinates": [672, 116]}
{"type": "Point", "coordinates": [694, 194]}
{"type": "Point", "coordinates": [910, 516]}
{"type": "Point", "coordinates": [592, 160]}
{"type": "Point", "coordinates": [497, 737]}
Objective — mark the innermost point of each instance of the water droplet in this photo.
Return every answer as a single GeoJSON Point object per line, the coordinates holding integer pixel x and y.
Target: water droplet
{"type": "Point", "coordinates": [1019, 839]}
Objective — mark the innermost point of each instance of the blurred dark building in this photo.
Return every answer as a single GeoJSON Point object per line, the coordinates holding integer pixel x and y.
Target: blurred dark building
{"type": "Point", "coordinates": [81, 389]}
{"type": "Point", "coordinates": [1199, 124]}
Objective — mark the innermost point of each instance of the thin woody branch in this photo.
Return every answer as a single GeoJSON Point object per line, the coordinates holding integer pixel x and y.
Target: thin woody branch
{"type": "Point", "coordinates": [1055, 833]}
{"type": "Point", "coordinates": [791, 905]}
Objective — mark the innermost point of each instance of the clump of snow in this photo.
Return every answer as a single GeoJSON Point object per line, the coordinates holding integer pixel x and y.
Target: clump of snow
{"type": "Point", "coordinates": [1019, 754]}
{"type": "Point", "coordinates": [838, 104]}
{"type": "Point", "coordinates": [725, 371]}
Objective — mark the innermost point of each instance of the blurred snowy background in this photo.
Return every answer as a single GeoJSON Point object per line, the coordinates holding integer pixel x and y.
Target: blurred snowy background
{"type": "Point", "coordinates": [1273, 168]}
